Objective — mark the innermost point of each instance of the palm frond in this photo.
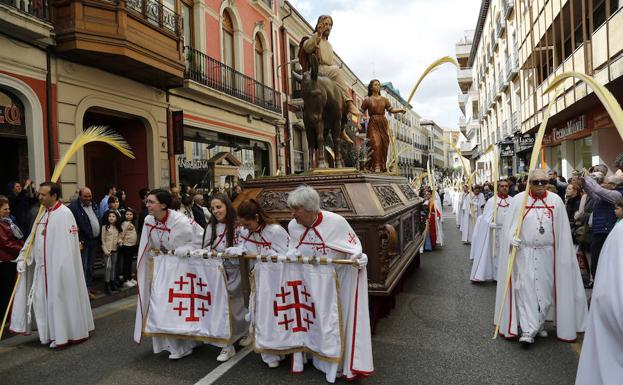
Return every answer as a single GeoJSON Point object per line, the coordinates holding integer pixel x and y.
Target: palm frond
{"type": "Point", "coordinates": [431, 68]}
{"type": "Point", "coordinates": [605, 96]}
{"type": "Point", "coordinates": [92, 134]}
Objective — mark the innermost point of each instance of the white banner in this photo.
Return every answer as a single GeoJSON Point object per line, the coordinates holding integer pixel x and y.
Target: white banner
{"type": "Point", "coordinates": [189, 298]}
{"type": "Point", "coordinates": [297, 310]}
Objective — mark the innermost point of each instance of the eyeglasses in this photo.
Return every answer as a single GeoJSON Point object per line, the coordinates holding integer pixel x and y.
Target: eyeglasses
{"type": "Point", "coordinates": [539, 182]}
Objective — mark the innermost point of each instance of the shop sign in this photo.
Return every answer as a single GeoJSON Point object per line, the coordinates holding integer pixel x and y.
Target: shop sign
{"type": "Point", "coordinates": [526, 141]}
{"type": "Point", "coordinates": [195, 164]}
{"type": "Point", "coordinates": [507, 149]}
{"type": "Point", "coordinates": [571, 128]}
{"type": "Point", "coordinates": [11, 114]}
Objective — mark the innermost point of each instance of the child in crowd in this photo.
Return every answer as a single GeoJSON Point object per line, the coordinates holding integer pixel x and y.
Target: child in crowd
{"type": "Point", "coordinates": [111, 228]}
{"type": "Point", "coordinates": [113, 205]}
{"type": "Point", "coordinates": [128, 246]}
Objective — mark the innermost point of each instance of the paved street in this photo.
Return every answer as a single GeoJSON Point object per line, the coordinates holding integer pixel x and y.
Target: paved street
{"type": "Point", "coordinates": [439, 333]}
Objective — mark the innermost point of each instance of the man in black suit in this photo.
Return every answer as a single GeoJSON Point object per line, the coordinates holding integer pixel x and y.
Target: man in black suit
{"type": "Point", "coordinates": [199, 213]}
{"type": "Point", "coordinates": [85, 212]}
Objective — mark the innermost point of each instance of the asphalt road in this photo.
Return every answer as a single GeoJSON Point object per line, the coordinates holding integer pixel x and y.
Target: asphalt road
{"type": "Point", "coordinates": [439, 333]}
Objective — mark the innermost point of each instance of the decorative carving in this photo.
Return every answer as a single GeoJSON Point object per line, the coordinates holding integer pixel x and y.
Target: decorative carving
{"type": "Point", "coordinates": [408, 191]}
{"type": "Point", "coordinates": [407, 232]}
{"type": "Point", "coordinates": [330, 200]}
{"type": "Point", "coordinates": [274, 200]}
{"type": "Point", "coordinates": [387, 196]}
{"type": "Point", "coordinates": [388, 247]}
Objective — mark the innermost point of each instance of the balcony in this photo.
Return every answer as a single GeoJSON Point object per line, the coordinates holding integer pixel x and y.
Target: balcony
{"type": "Point", "coordinates": [512, 66]}
{"type": "Point", "coordinates": [462, 100]}
{"type": "Point", "coordinates": [27, 20]}
{"type": "Point", "coordinates": [508, 7]}
{"type": "Point", "coordinates": [463, 49]}
{"type": "Point", "coordinates": [500, 27]}
{"type": "Point", "coordinates": [515, 126]}
{"type": "Point", "coordinates": [210, 72]}
{"type": "Point", "coordinates": [464, 75]}
{"type": "Point", "coordinates": [138, 39]}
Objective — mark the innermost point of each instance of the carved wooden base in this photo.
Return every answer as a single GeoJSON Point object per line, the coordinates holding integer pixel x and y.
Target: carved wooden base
{"type": "Point", "coordinates": [383, 210]}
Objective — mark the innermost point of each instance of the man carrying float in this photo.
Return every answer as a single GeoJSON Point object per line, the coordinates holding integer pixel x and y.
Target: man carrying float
{"type": "Point", "coordinates": [315, 232]}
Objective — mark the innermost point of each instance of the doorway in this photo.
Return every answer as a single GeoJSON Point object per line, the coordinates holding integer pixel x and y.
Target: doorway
{"type": "Point", "coordinates": [105, 165]}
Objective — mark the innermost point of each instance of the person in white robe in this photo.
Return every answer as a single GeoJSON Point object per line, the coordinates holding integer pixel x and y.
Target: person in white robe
{"type": "Point", "coordinates": [458, 206]}
{"type": "Point", "coordinates": [315, 232]}
{"type": "Point", "coordinates": [473, 204]}
{"type": "Point", "coordinates": [224, 235]}
{"type": "Point", "coordinates": [486, 240]}
{"type": "Point", "coordinates": [545, 282]}
{"type": "Point", "coordinates": [602, 348]}
{"type": "Point", "coordinates": [265, 237]}
{"type": "Point", "coordinates": [164, 230]}
{"type": "Point", "coordinates": [52, 283]}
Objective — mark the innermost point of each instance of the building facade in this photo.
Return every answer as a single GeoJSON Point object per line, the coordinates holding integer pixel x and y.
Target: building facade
{"type": "Point", "coordinates": [411, 139]}
{"type": "Point", "coordinates": [436, 147]}
{"type": "Point", "coordinates": [518, 47]}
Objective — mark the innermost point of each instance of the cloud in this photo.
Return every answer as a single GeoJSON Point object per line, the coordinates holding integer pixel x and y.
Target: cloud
{"type": "Point", "coordinates": [395, 40]}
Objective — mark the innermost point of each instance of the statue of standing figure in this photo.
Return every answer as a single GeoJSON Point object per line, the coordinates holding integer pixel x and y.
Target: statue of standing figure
{"type": "Point", "coordinates": [378, 128]}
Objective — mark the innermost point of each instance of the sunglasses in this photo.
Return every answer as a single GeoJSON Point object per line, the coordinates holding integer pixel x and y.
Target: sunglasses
{"type": "Point", "coordinates": [539, 182]}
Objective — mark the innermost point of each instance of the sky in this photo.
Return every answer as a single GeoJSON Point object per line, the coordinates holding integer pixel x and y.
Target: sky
{"type": "Point", "coordinates": [395, 40]}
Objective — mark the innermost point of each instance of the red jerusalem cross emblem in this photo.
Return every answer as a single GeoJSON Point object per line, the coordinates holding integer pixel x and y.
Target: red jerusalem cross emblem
{"type": "Point", "coordinates": [191, 298]}
{"type": "Point", "coordinates": [304, 309]}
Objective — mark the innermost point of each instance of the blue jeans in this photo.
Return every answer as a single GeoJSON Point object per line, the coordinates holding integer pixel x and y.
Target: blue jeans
{"type": "Point", "coordinates": [88, 259]}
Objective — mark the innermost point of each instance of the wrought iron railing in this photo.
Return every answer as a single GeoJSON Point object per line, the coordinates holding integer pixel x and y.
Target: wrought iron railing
{"type": "Point", "coordinates": [508, 7]}
{"type": "Point", "coordinates": [36, 8]}
{"type": "Point", "coordinates": [214, 74]}
{"type": "Point", "coordinates": [157, 14]}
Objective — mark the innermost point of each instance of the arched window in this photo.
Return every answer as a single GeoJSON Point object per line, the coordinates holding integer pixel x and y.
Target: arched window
{"type": "Point", "coordinates": [228, 40]}
{"type": "Point", "coordinates": [259, 59]}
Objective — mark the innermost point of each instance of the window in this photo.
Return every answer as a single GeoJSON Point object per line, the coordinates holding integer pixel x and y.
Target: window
{"type": "Point", "coordinates": [187, 24]}
{"type": "Point", "coordinates": [259, 59]}
{"type": "Point", "coordinates": [228, 40]}
{"type": "Point", "coordinates": [295, 87]}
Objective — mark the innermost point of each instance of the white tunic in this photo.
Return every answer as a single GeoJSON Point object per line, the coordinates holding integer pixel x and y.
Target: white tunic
{"type": "Point", "coordinates": [472, 209]}
{"type": "Point", "coordinates": [602, 349]}
{"type": "Point", "coordinates": [484, 251]}
{"type": "Point", "coordinates": [331, 236]}
{"type": "Point", "coordinates": [234, 280]}
{"type": "Point", "coordinates": [55, 279]}
{"type": "Point", "coordinates": [176, 231]}
{"type": "Point", "coordinates": [546, 275]}
{"type": "Point", "coordinates": [266, 240]}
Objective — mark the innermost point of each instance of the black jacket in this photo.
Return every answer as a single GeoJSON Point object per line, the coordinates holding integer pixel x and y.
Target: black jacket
{"type": "Point", "coordinates": [199, 216]}
{"type": "Point", "coordinates": [85, 232]}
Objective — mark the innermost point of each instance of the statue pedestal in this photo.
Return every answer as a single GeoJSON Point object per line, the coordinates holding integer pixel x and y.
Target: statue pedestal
{"type": "Point", "coordinates": [383, 210]}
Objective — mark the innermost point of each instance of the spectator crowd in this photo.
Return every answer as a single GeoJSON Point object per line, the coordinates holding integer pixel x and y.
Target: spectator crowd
{"type": "Point", "coordinates": [108, 229]}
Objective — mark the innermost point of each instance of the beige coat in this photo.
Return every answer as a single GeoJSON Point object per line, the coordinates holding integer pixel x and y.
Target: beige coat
{"type": "Point", "coordinates": [109, 239]}
{"type": "Point", "coordinates": [128, 235]}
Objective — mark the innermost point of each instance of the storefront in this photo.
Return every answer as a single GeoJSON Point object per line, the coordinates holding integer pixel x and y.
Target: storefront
{"type": "Point", "coordinates": [507, 152]}
{"type": "Point", "coordinates": [581, 142]}
{"type": "Point", "coordinates": [213, 160]}
{"type": "Point", "coordinates": [524, 143]}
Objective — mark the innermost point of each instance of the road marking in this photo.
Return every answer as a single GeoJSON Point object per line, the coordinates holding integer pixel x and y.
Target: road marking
{"type": "Point", "coordinates": [99, 312]}
{"type": "Point", "coordinates": [223, 368]}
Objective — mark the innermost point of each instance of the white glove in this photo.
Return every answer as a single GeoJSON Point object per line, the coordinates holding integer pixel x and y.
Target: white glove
{"type": "Point", "coordinates": [199, 253]}
{"type": "Point", "coordinates": [270, 253]}
{"type": "Point", "coordinates": [516, 242]}
{"type": "Point", "coordinates": [493, 225]}
{"type": "Point", "coordinates": [361, 259]}
{"type": "Point", "coordinates": [21, 266]}
{"type": "Point", "coordinates": [236, 250]}
{"type": "Point", "coordinates": [293, 254]}
{"type": "Point", "coordinates": [182, 251]}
